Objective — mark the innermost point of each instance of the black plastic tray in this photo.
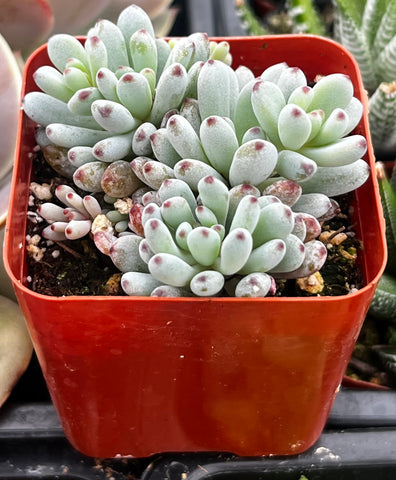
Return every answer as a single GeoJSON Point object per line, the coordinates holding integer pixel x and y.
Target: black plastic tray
{"type": "Point", "coordinates": [359, 442]}
{"type": "Point", "coordinates": [362, 454]}
{"type": "Point", "coordinates": [33, 446]}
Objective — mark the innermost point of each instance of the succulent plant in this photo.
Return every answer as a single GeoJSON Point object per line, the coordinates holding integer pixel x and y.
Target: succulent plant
{"type": "Point", "coordinates": [97, 100]}
{"type": "Point", "coordinates": [200, 178]}
{"type": "Point", "coordinates": [384, 299]}
{"type": "Point", "coordinates": [370, 34]}
{"type": "Point", "coordinates": [295, 16]}
{"type": "Point", "coordinates": [235, 237]}
{"type": "Point", "coordinates": [72, 222]}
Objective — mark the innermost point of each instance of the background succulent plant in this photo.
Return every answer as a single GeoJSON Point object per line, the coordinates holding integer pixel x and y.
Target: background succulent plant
{"type": "Point", "coordinates": [385, 297]}
{"type": "Point", "coordinates": [289, 16]}
{"type": "Point", "coordinates": [210, 177]}
{"type": "Point", "coordinates": [368, 30]}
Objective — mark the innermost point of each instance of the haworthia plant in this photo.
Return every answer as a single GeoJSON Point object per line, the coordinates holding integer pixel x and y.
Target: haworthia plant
{"type": "Point", "coordinates": [368, 29]}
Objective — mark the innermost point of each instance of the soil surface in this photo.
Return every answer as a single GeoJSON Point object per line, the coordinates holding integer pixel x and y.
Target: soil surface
{"type": "Point", "coordinates": [65, 268]}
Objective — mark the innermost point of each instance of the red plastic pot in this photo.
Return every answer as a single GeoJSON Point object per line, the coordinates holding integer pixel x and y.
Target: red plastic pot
{"type": "Point", "coordinates": [250, 376]}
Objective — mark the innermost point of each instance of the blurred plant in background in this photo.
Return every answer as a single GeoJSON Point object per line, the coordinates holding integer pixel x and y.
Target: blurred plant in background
{"type": "Point", "coordinates": [26, 24]}
{"type": "Point", "coordinates": [262, 17]}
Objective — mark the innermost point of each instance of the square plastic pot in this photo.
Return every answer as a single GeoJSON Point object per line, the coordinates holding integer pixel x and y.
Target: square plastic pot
{"type": "Point", "coordinates": [139, 375]}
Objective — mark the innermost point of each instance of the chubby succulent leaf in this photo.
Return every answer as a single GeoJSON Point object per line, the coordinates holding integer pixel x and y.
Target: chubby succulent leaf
{"type": "Point", "coordinates": [235, 251]}
{"type": "Point", "coordinates": [62, 47]}
{"type": "Point", "coordinates": [337, 180]}
{"type": "Point", "coordinates": [265, 257]}
{"type": "Point", "coordinates": [245, 117]}
{"type": "Point", "coordinates": [70, 135]}
{"type": "Point", "coordinates": [219, 142]}
{"type": "Point", "coordinates": [290, 79]}
{"type": "Point", "coordinates": [256, 284]}
{"type": "Point", "coordinates": [170, 92]}
{"type": "Point", "coordinates": [213, 100]}
{"type": "Point", "coordinates": [134, 92]}
{"type": "Point", "coordinates": [175, 211]}
{"type": "Point", "coordinates": [172, 270]}
{"type": "Point", "coordinates": [214, 194]}
{"type": "Point", "coordinates": [207, 283]}
{"type": "Point", "coordinates": [294, 126]}
{"type": "Point", "coordinates": [341, 152]}
{"type": "Point", "coordinates": [253, 162]}
{"type": "Point", "coordinates": [184, 139]}
{"type": "Point", "coordinates": [114, 41]}
{"type": "Point", "coordinates": [124, 253]}
{"type": "Point", "coordinates": [294, 255]}
{"type": "Point", "coordinates": [204, 244]}
{"type": "Point", "coordinates": [192, 171]}
{"type": "Point", "coordinates": [267, 102]}
{"type": "Point", "coordinates": [330, 92]}
{"type": "Point", "coordinates": [139, 283]}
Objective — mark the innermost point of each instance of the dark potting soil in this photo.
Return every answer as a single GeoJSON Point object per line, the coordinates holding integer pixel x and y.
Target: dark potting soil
{"type": "Point", "coordinates": [64, 268]}
{"type": "Point", "coordinates": [78, 268]}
